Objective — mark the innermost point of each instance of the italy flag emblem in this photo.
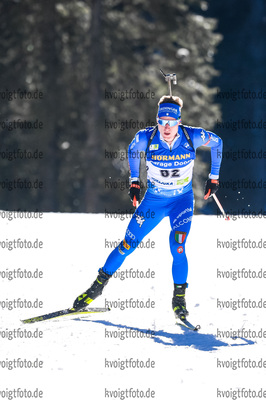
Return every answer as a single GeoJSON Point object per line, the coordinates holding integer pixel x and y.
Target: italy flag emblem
{"type": "Point", "coordinates": [180, 237]}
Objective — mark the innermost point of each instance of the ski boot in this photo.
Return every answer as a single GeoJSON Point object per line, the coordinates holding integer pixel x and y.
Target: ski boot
{"type": "Point", "coordinates": [179, 302]}
{"type": "Point", "coordinates": [94, 291]}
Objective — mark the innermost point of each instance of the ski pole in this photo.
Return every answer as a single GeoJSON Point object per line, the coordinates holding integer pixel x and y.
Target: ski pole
{"type": "Point", "coordinates": [220, 206]}
{"type": "Point", "coordinates": [135, 202]}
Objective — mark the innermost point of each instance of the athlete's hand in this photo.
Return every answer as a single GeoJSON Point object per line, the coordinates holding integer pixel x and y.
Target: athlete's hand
{"type": "Point", "coordinates": [134, 192]}
{"type": "Point", "coordinates": [211, 187]}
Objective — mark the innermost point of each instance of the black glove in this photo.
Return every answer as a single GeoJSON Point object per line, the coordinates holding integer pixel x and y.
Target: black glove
{"type": "Point", "coordinates": [134, 192]}
{"type": "Point", "coordinates": [211, 187]}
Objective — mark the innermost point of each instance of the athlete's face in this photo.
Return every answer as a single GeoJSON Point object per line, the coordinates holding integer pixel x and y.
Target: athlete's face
{"type": "Point", "coordinates": [168, 132]}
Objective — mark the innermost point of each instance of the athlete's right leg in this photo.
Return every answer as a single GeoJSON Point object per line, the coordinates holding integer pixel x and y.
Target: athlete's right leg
{"type": "Point", "coordinates": [150, 212]}
{"type": "Point", "coordinates": [146, 217]}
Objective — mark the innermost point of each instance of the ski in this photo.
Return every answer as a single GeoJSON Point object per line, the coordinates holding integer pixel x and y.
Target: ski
{"type": "Point", "coordinates": [63, 313]}
{"type": "Point", "coordinates": [182, 321]}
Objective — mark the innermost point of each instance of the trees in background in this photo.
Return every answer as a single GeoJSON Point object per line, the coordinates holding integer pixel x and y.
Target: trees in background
{"type": "Point", "coordinates": [97, 64]}
{"type": "Point", "coordinates": [242, 95]}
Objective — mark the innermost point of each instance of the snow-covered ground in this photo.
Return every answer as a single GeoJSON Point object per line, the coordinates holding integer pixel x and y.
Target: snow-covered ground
{"type": "Point", "coordinates": [132, 352]}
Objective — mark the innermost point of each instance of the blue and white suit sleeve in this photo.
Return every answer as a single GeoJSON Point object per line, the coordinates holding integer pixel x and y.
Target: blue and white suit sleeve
{"type": "Point", "coordinates": [201, 137]}
{"type": "Point", "coordinates": [138, 144]}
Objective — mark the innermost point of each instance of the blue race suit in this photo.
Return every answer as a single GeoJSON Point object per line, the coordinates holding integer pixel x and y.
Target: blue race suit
{"type": "Point", "coordinates": [169, 192]}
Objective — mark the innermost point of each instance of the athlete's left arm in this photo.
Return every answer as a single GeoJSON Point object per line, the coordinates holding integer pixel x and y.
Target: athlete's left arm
{"type": "Point", "coordinates": [201, 137]}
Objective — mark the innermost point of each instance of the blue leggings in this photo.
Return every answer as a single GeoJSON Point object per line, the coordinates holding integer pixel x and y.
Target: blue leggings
{"type": "Point", "coordinates": [151, 211]}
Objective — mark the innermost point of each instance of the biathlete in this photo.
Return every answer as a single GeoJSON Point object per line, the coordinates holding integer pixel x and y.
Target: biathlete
{"type": "Point", "coordinates": [170, 153]}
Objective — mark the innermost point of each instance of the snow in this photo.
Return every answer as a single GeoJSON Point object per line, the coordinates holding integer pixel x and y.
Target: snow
{"type": "Point", "coordinates": [77, 352]}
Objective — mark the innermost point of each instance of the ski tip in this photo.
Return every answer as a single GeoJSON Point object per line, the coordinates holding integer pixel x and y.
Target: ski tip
{"type": "Point", "coordinates": [186, 324]}
{"type": "Point", "coordinates": [31, 320]}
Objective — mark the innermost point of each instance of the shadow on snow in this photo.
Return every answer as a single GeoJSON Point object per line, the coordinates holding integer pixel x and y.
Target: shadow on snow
{"type": "Point", "coordinates": [196, 340]}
